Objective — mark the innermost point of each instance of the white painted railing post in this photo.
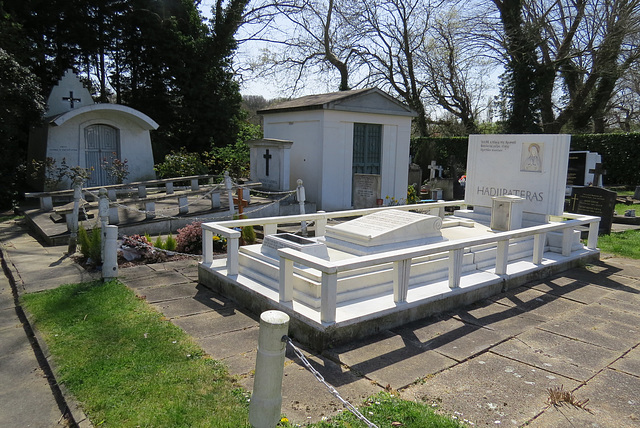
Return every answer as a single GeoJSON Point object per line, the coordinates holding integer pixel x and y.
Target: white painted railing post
{"type": "Point", "coordinates": [539, 240]}
{"type": "Point", "coordinates": [142, 191]}
{"type": "Point", "coordinates": [455, 267]}
{"type": "Point", "coordinates": [328, 297]}
{"type": "Point", "coordinates": [270, 229]}
{"type": "Point", "coordinates": [207, 246]}
{"type": "Point", "coordinates": [229, 187]}
{"type": "Point", "coordinates": [502, 255]}
{"type": "Point", "coordinates": [233, 245]}
{"type": "Point", "coordinates": [286, 280]}
{"type": "Point", "coordinates": [567, 235]}
{"type": "Point", "coordinates": [110, 258]}
{"type": "Point", "coordinates": [300, 194]}
{"type": "Point", "coordinates": [401, 275]}
{"type": "Point", "coordinates": [103, 213]}
{"type": "Point", "coordinates": [321, 223]}
{"type": "Point", "coordinates": [592, 240]}
{"type": "Point", "coordinates": [266, 399]}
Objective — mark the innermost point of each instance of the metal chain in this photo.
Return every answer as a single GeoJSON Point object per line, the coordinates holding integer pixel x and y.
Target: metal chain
{"type": "Point", "coordinates": [331, 389]}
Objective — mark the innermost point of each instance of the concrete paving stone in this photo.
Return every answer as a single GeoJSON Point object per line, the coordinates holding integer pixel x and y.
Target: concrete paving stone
{"type": "Point", "coordinates": [423, 331]}
{"type": "Point", "coordinates": [390, 359]}
{"type": "Point", "coordinates": [166, 292]}
{"type": "Point", "coordinates": [176, 265]}
{"type": "Point", "coordinates": [132, 273]}
{"type": "Point", "coordinates": [612, 310]}
{"type": "Point", "coordinates": [536, 303]}
{"type": "Point", "coordinates": [155, 279]}
{"type": "Point", "coordinates": [629, 363]}
{"type": "Point", "coordinates": [568, 416]}
{"type": "Point", "coordinates": [53, 281]}
{"type": "Point", "coordinates": [183, 307]}
{"type": "Point", "coordinates": [221, 346]}
{"type": "Point", "coordinates": [242, 364]}
{"type": "Point", "coordinates": [577, 290]}
{"type": "Point", "coordinates": [507, 320]}
{"type": "Point", "coordinates": [624, 300]}
{"type": "Point", "coordinates": [9, 319]}
{"type": "Point", "coordinates": [557, 354]}
{"type": "Point", "coordinates": [597, 331]}
{"type": "Point", "coordinates": [6, 297]}
{"type": "Point", "coordinates": [304, 399]}
{"type": "Point", "coordinates": [489, 390]}
{"type": "Point", "coordinates": [624, 267]}
{"type": "Point", "coordinates": [216, 322]}
{"type": "Point", "coordinates": [13, 339]}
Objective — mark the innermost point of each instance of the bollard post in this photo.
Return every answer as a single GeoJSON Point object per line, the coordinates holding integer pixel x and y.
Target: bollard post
{"type": "Point", "coordinates": [77, 195]}
{"type": "Point", "coordinates": [266, 400]}
{"type": "Point", "coordinates": [300, 194]}
{"type": "Point", "coordinates": [110, 258]}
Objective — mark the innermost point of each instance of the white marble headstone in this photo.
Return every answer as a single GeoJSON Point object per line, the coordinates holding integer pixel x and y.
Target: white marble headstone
{"type": "Point", "coordinates": [384, 231]}
{"type": "Point", "coordinates": [533, 167]}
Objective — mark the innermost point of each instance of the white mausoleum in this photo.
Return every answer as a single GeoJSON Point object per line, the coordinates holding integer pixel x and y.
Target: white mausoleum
{"type": "Point", "coordinates": [84, 134]}
{"type": "Point", "coordinates": [340, 136]}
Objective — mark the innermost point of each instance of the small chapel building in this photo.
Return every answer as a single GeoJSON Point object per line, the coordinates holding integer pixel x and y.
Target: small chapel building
{"type": "Point", "coordinates": [350, 148]}
{"type": "Point", "coordinates": [86, 134]}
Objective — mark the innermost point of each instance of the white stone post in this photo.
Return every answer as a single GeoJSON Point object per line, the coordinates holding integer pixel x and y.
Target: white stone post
{"type": "Point", "coordinates": [110, 258]}
{"type": "Point", "coordinates": [207, 246]}
{"type": "Point", "coordinates": [266, 399]}
{"type": "Point", "coordinates": [229, 187]}
{"type": "Point", "coordinates": [301, 198]}
{"type": "Point", "coordinates": [77, 195]}
{"type": "Point", "coordinates": [103, 213]}
{"type": "Point", "coordinates": [321, 223]}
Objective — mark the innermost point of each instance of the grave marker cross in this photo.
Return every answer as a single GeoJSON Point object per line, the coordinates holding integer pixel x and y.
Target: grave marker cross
{"type": "Point", "coordinates": [267, 156]}
{"type": "Point", "coordinates": [71, 99]}
{"type": "Point", "coordinates": [433, 167]}
{"type": "Point", "coordinates": [597, 172]}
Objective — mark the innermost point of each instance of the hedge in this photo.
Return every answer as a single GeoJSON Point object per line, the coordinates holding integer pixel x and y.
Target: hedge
{"type": "Point", "coordinates": [620, 154]}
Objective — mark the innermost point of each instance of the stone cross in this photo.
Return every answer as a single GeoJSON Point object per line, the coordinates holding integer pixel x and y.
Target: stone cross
{"type": "Point", "coordinates": [71, 99]}
{"type": "Point", "coordinates": [597, 172]}
{"type": "Point", "coordinates": [433, 167]}
{"type": "Point", "coordinates": [267, 156]}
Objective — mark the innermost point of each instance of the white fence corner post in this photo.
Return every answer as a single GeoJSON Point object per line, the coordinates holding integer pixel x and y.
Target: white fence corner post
{"type": "Point", "coordinates": [266, 400]}
{"type": "Point", "coordinates": [73, 225]}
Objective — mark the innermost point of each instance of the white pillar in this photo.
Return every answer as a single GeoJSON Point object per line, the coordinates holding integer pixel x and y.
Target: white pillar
{"type": "Point", "coordinates": [301, 198]}
{"type": "Point", "coordinates": [229, 187]}
{"type": "Point", "coordinates": [73, 225]}
{"type": "Point", "coordinates": [266, 399]}
{"type": "Point", "coordinates": [103, 213]}
{"type": "Point", "coordinates": [110, 260]}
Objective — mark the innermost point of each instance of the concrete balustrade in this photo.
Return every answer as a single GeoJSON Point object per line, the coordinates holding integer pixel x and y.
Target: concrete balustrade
{"type": "Point", "coordinates": [401, 260]}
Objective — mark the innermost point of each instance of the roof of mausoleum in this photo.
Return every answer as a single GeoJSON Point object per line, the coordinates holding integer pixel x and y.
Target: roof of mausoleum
{"type": "Point", "coordinates": [367, 100]}
{"type": "Point", "coordinates": [131, 114]}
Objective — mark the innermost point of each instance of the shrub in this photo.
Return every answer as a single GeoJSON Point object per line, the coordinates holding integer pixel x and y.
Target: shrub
{"type": "Point", "coordinates": [170, 244]}
{"type": "Point", "coordinates": [159, 244]}
{"type": "Point", "coordinates": [189, 239]}
{"type": "Point", "coordinates": [90, 244]}
{"type": "Point", "coordinates": [181, 164]}
{"type": "Point", "coordinates": [248, 235]}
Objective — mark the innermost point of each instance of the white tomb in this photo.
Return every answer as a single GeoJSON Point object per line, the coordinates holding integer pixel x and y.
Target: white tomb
{"type": "Point", "coordinates": [85, 134]}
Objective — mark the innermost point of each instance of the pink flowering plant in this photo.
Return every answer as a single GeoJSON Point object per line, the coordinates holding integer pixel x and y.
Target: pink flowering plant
{"type": "Point", "coordinates": [189, 239]}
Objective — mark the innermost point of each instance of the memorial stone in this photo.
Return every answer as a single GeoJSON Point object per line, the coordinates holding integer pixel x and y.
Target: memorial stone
{"type": "Point", "coordinates": [366, 190]}
{"type": "Point", "coordinates": [594, 201]}
{"type": "Point", "coordinates": [579, 170]}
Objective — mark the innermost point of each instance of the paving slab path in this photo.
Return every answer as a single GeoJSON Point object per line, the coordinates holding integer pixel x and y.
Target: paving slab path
{"type": "Point", "coordinates": [491, 363]}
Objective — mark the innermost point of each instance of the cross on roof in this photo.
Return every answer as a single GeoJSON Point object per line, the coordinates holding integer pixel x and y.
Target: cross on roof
{"type": "Point", "coordinates": [71, 99]}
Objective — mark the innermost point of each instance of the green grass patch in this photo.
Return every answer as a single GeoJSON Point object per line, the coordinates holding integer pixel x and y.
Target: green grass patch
{"type": "Point", "coordinates": [387, 410]}
{"type": "Point", "coordinates": [130, 367]}
{"type": "Point", "coordinates": [127, 365]}
{"type": "Point", "coordinates": [623, 244]}
{"type": "Point", "coordinates": [4, 218]}
{"type": "Point", "coordinates": [621, 208]}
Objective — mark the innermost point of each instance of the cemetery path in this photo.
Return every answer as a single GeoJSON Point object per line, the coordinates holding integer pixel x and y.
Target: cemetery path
{"type": "Point", "coordinates": [490, 363]}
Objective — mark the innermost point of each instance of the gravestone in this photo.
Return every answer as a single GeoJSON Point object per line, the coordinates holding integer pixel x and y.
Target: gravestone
{"type": "Point", "coordinates": [384, 231]}
{"type": "Point", "coordinates": [533, 167]}
{"type": "Point", "coordinates": [366, 190]}
{"type": "Point", "coordinates": [270, 163]}
{"type": "Point", "coordinates": [580, 164]}
{"type": "Point", "coordinates": [415, 175]}
{"type": "Point", "coordinates": [594, 201]}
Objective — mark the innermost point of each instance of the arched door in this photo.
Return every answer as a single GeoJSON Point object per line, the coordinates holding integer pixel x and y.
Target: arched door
{"type": "Point", "coordinates": [101, 145]}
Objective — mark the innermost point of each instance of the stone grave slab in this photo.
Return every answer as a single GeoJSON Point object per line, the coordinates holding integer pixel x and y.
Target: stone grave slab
{"type": "Point", "coordinates": [533, 167]}
{"type": "Point", "coordinates": [366, 190]}
{"type": "Point", "coordinates": [489, 390]}
{"type": "Point", "coordinates": [594, 201]}
{"type": "Point", "coordinates": [384, 231]}
{"type": "Point", "coordinates": [557, 354]}
{"type": "Point", "coordinates": [391, 360]}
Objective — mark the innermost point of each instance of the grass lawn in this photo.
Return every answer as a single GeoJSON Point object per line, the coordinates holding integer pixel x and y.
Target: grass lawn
{"type": "Point", "coordinates": [130, 367]}
{"type": "Point", "coordinates": [623, 244]}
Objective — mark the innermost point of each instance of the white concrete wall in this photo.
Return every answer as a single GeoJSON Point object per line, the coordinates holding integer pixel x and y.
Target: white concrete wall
{"type": "Point", "coordinates": [322, 152]}
{"type": "Point", "coordinates": [68, 141]}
